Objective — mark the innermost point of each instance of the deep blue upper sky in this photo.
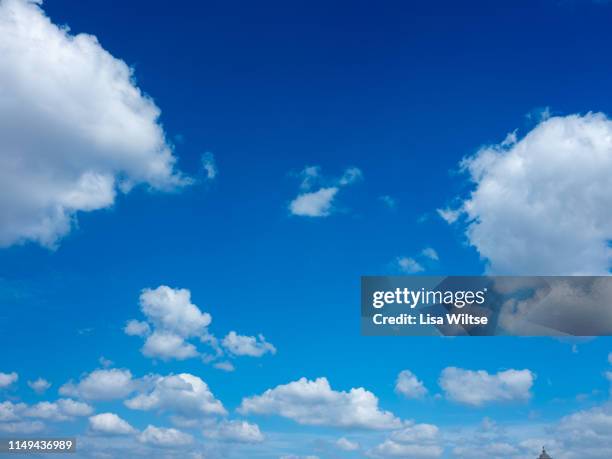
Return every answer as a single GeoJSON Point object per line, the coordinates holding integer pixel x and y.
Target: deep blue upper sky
{"type": "Point", "coordinates": [402, 90]}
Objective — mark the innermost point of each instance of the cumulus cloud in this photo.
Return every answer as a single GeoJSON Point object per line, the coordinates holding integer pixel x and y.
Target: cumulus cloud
{"type": "Point", "coordinates": [408, 385]}
{"type": "Point", "coordinates": [319, 202]}
{"type": "Point", "coordinates": [165, 438]}
{"type": "Point", "coordinates": [247, 345]}
{"type": "Point", "coordinates": [430, 253]}
{"type": "Point", "coordinates": [110, 424]}
{"type": "Point", "coordinates": [109, 384]}
{"type": "Point", "coordinates": [172, 320]}
{"type": "Point", "coordinates": [316, 403]}
{"type": "Point", "coordinates": [17, 416]}
{"type": "Point", "coordinates": [540, 204]}
{"type": "Point", "coordinates": [235, 431]}
{"type": "Point", "coordinates": [39, 386]}
{"type": "Point", "coordinates": [314, 204]}
{"type": "Point", "coordinates": [137, 328]}
{"type": "Point", "coordinates": [7, 379]}
{"type": "Point", "coordinates": [183, 394]}
{"type": "Point", "coordinates": [75, 128]}
{"type": "Point", "coordinates": [478, 388]}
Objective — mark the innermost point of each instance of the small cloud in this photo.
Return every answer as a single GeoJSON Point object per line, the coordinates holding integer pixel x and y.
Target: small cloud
{"type": "Point", "coordinates": [110, 424]}
{"type": "Point", "coordinates": [165, 438]}
{"type": "Point", "coordinates": [408, 385]}
{"type": "Point", "coordinates": [430, 253]}
{"type": "Point", "coordinates": [319, 203]}
{"type": "Point", "coordinates": [388, 201]}
{"type": "Point", "coordinates": [247, 345]}
{"type": "Point", "coordinates": [350, 176]}
{"type": "Point", "coordinates": [6, 379]}
{"type": "Point", "coordinates": [225, 366]}
{"type": "Point", "coordinates": [450, 216]}
{"type": "Point", "coordinates": [315, 204]}
{"type": "Point", "coordinates": [39, 386]}
{"type": "Point", "coordinates": [209, 165]}
{"type": "Point", "coordinates": [409, 265]}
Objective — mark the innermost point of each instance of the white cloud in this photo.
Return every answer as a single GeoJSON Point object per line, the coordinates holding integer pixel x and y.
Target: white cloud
{"type": "Point", "coordinates": [225, 366]}
{"type": "Point", "coordinates": [173, 320]}
{"type": "Point", "coordinates": [209, 165]}
{"type": "Point", "coordinates": [319, 203]}
{"type": "Point", "coordinates": [39, 386]}
{"type": "Point", "coordinates": [60, 410]}
{"type": "Point", "coordinates": [430, 253]}
{"type": "Point", "coordinates": [409, 265]}
{"type": "Point", "coordinates": [540, 205]}
{"type": "Point", "coordinates": [408, 385]}
{"type": "Point", "coordinates": [314, 204]}
{"type": "Point", "coordinates": [110, 424]}
{"type": "Point", "coordinates": [350, 176]}
{"type": "Point", "coordinates": [21, 427]}
{"type": "Point", "coordinates": [293, 456]}
{"type": "Point", "coordinates": [107, 384]}
{"type": "Point", "coordinates": [167, 345]}
{"type": "Point", "coordinates": [165, 438]}
{"type": "Point", "coordinates": [347, 445]}
{"type": "Point", "coordinates": [137, 328]}
{"type": "Point", "coordinates": [171, 310]}
{"type": "Point", "coordinates": [247, 345]}
{"type": "Point", "coordinates": [75, 128]}
{"type": "Point", "coordinates": [7, 379]}
{"type": "Point", "coordinates": [477, 388]}
{"type": "Point", "coordinates": [183, 394]}
{"type": "Point", "coordinates": [235, 431]}
{"type": "Point", "coordinates": [449, 215]}
{"type": "Point", "coordinates": [316, 403]}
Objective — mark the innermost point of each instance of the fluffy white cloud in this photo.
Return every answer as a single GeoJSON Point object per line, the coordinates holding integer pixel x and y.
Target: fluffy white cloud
{"type": "Point", "coordinates": [319, 202]}
{"type": "Point", "coordinates": [247, 345]}
{"type": "Point", "coordinates": [60, 410]}
{"type": "Point", "coordinates": [408, 385]}
{"type": "Point", "coordinates": [477, 388]}
{"type": "Point", "coordinates": [101, 385]}
{"type": "Point", "coordinates": [137, 328]}
{"type": "Point", "coordinates": [173, 320]}
{"type": "Point", "coordinates": [235, 431]}
{"type": "Point", "coordinates": [110, 424]}
{"type": "Point", "coordinates": [172, 310]}
{"type": "Point", "coordinates": [347, 445]}
{"type": "Point", "coordinates": [415, 433]}
{"type": "Point", "coordinates": [316, 403]}
{"type": "Point", "coordinates": [541, 204]}
{"type": "Point", "coordinates": [75, 128]}
{"type": "Point", "coordinates": [165, 438]}
{"type": "Point", "coordinates": [315, 203]}
{"type": "Point", "coordinates": [183, 394]}
{"type": "Point", "coordinates": [39, 386]}
{"type": "Point", "coordinates": [168, 345]}
{"type": "Point", "coordinates": [6, 379]}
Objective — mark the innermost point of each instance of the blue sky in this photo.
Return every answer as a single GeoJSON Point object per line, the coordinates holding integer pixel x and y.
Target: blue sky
{"type": "Point", "coordinates": [402, 92]}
